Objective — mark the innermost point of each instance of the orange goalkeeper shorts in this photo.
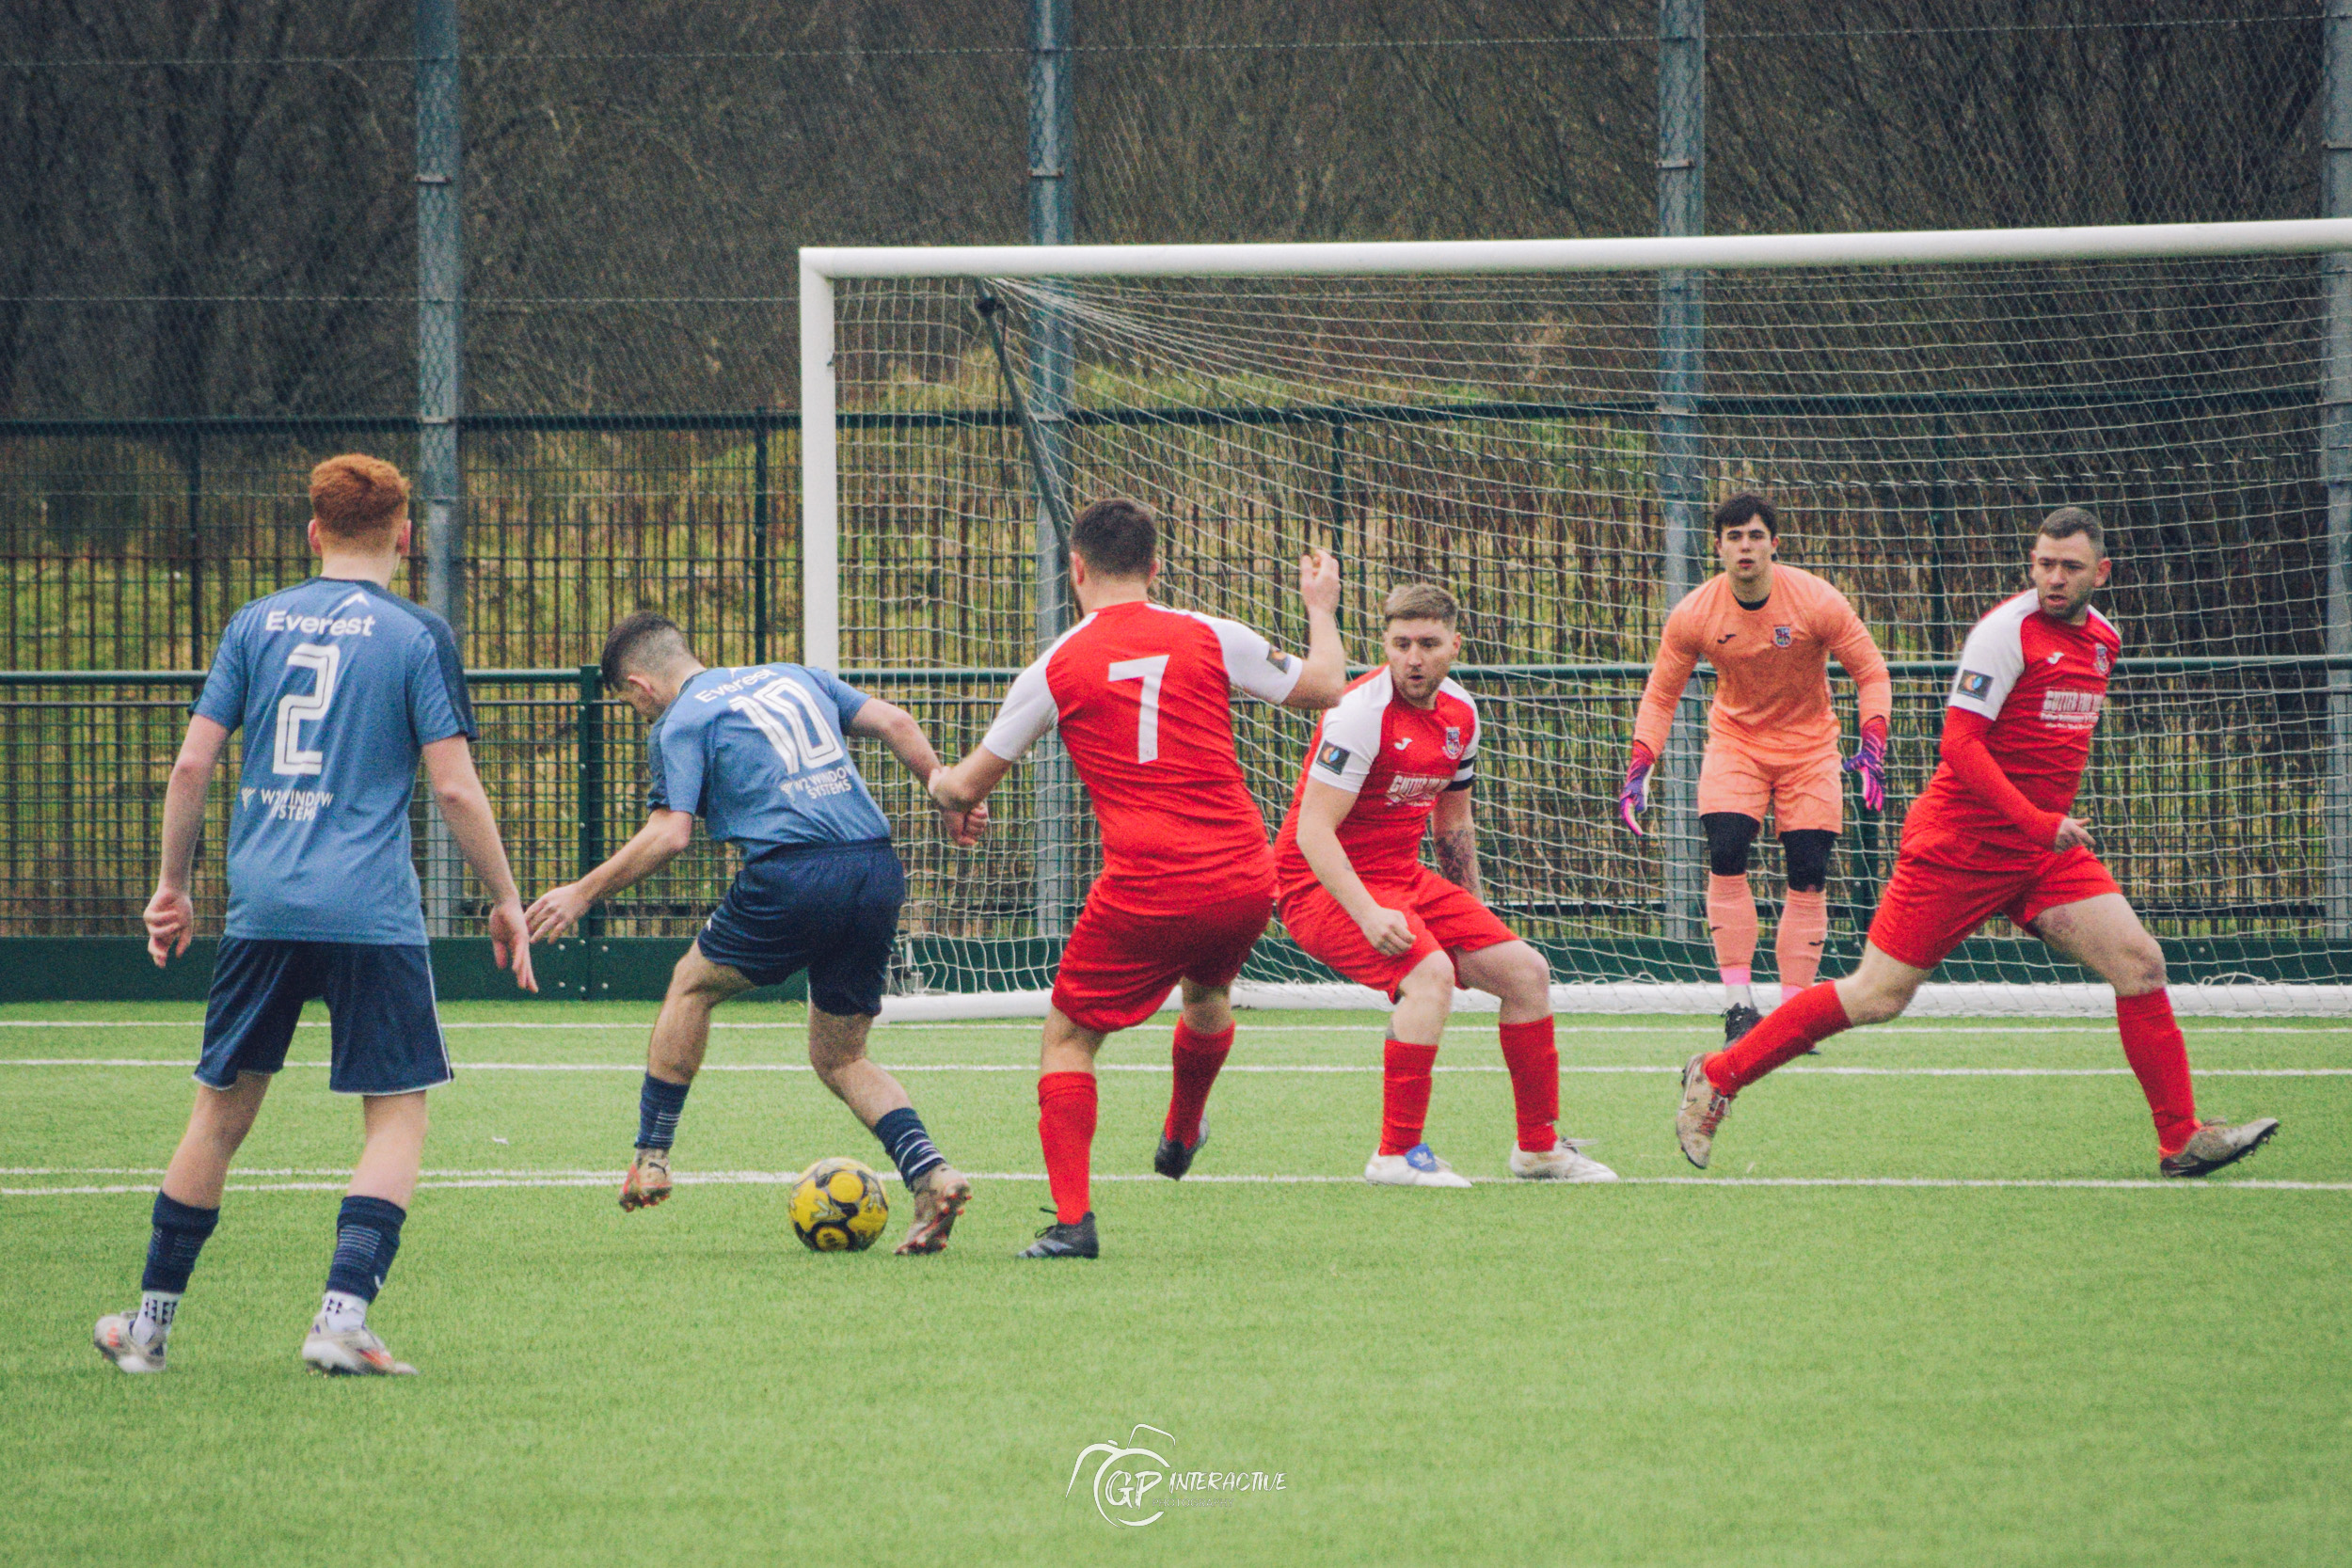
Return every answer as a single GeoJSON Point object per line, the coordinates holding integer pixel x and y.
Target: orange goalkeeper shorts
{"type": "Point", "coordinates": [1928, 909]}
{"type": "Point", "coordinates": [1806, 795]}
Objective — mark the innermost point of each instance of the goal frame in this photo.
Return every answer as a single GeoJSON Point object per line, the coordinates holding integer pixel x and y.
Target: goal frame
{"type": "Point", "coordinates": [820, 266]}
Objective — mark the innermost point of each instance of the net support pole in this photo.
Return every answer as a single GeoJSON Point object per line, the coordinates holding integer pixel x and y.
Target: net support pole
{"type": "Point", "coordinates": [1681, 470]}
{"type": "Point", "coordinates": [1051, 222]}
{"type": "Point", "coordinates": [440, 291]}
{"type": "Point", "coordinates": [2335, 449]}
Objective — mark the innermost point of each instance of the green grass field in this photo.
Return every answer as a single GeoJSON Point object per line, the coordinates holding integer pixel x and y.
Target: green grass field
{"type": "Point", "coordinates": [1914, 1316]}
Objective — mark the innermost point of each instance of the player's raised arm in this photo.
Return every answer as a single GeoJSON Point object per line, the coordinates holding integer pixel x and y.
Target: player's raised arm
{"type": "Point", "coordinates": [170, 916]}
{"type": "Point", "coordinates": [895, 728]}
{"type": "Point", "coordinates": [1678, 655]}
{"type": "Point", "coordinates": [457, 790]}
{"type": "Point", "coordinates": [1325, 674]}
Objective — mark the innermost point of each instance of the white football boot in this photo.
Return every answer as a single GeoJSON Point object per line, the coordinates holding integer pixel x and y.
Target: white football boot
{"type": "Point", "coordinates": [127, 1351]}
{"type": "Point", "coordinates": [1418, 1166]}
{"type": "Point", "coordinates": [353, 1353]}
{"type": "Point", "coordinates": [1562, 1162]}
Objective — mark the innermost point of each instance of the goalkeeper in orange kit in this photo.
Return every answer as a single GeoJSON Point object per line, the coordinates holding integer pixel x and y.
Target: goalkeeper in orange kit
{"type": "Point", "coordinates": [1771, 740]}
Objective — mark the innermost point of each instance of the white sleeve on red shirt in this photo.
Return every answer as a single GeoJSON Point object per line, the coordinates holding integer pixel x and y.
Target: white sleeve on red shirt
{"type": "Point", "coordinates": [1465, 767]}
{"type": "Point", "coordinates": [1029, 712]}
{"type": "Point", "coordinates": [1349, 740]}
{"type": "Point", "coordinates": [1253, 664]}
{"type": "Point", "coordinates": [1992, 660]}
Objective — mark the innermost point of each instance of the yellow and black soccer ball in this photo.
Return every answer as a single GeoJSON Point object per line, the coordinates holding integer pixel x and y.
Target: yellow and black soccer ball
{"type": "Point", "coordinates": [839, 1206]}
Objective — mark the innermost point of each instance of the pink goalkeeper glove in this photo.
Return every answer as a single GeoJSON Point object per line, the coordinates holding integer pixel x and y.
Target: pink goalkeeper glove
{"type": "Point", "coordinates": [1869, 760]}
{"type": "Point", "coordinates": [1635, 795]}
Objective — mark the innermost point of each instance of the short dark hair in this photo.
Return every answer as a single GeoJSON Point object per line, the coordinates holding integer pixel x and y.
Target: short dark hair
{"type": "Point", "coordinates": [642, 641]}
{"type": "Point", "coordinates": [1422, 601]}
{"type": "Point", "coordinates": [1742, 508]}
{"type": "Point", "coordinates": [2068, 521]}
{"type": "Point", "coordinates": [1116, 537]}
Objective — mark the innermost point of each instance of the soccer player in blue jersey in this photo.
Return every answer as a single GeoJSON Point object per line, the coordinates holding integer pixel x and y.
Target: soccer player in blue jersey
{"type": "Point", "coordinates": [761, 754]}
{"type": "Point", "coordinates": [340, 685]}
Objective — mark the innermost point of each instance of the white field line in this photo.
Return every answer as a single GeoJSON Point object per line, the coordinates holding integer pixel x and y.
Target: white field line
{"type": "Point", "coordinates": [771, 1178]}
{"type": "Point", "coordinates": [1697, 1026]}
{"type": "Point", "coordinates": [1650, 1068]}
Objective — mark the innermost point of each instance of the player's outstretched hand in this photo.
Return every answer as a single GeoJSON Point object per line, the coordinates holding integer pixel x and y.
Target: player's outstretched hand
{"type": "Point", "coordinates": [171, 925]}
{"type": "Point", "coordinates": [510, 943]}
{"type": "Point", "coordinates": [1388, 932]}
{"type": "Point", "coordinates": [552, 914]}
{"type": "Point", "coordinates": [1634, 796]}
{"type": "Point", "coordinates": [2071, 834]}
{"type": "Point", "coordinates": [1869, 760]}
{"type": "Point", "coordinates": [965, 828]}
{"type": "Point", "coordinates": [1319, 580]}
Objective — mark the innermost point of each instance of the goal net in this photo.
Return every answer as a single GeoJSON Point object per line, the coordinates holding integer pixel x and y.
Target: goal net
{"type": "Point", "coordinates": [1550, 442]}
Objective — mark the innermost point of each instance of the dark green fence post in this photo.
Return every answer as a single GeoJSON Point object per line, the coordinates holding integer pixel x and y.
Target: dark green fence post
{"type": "Point", "coordinates": [759, 538]}
{"type": "Point", "coordinates": [591, 731]}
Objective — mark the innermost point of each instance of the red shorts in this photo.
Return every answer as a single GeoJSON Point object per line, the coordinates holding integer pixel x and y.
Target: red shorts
{"type": "Point", "coordinates": [1119, 966]}
{"type": "Point", "coordinates": [1928, 909]}
{"type": "Point", "coordinates": [1444, 918]}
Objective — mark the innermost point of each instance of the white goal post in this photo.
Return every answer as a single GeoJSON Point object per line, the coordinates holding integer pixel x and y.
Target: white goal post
{"type": "Point", "coordinates": [2007, 257]}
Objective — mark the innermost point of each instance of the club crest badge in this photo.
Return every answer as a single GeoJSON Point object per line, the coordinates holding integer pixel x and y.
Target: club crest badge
{"type": "Point", "coordinates": [1783, 636]}
{"type": "Point", "coordinates": [2100, 661]}
{"type": "Point", "coordinates": [1453, 742]}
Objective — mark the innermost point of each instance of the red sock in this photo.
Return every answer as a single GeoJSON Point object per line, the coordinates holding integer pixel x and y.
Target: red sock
{"type": "Point", "coordinates": [1404, 1095]}
{"type": "Point", "coordinates": [2159, 1058]}
{"type": "Point", "coordinates": [1527, 1050]}
{"type": "Point", "coordinates": [1807, 1019]}
{"type": "Point", "coordinates": [1065, 1125]}
{"type": "Point", "coordinates": [1197, 1059]}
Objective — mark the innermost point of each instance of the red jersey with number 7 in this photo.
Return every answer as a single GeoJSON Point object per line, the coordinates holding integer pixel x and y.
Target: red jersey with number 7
{"type": "Point", "coordinates": [1143, 697]}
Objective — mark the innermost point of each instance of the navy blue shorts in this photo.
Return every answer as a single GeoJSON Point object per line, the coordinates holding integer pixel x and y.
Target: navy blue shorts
{"type": "Point", "coordinates": [387, 1033]}
{"type": "Point", "coordinates": [830, 908]}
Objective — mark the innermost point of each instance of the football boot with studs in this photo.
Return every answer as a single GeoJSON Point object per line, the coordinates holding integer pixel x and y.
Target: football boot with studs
{"type": "Point", "coordinates": [1064, 1240]}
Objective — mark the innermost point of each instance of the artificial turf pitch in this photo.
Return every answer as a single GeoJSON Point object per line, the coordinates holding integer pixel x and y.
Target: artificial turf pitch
{"type": "Point", "coordinates": [1728, 1368]}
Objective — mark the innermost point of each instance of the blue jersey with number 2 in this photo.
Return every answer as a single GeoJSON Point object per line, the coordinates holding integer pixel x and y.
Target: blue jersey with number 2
{"type": "Point", "coordinates": [338, 686]}
{"type": "Point", "coordinates": [762, 756]}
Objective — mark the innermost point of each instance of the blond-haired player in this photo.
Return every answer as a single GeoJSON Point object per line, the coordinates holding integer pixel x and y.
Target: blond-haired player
{"type": "Point", "coordinates": [1771, 740]}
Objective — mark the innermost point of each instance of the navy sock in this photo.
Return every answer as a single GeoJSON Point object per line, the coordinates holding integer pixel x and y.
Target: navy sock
{"type": "Point", "coordinates": [172, 1248]}
{"type": "Point", "coordinates": [911, 1147]}
{"type": "Point", "coordinates": [367, 1239]}
{"type": "Point", "coordinates": [659, 1106]}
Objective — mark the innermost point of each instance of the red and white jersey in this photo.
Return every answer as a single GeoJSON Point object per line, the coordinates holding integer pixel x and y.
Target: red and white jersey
{"type": "Point", "coordinates": [2042, 682]}
{"type": "Point", "coordinates": [1396, 759]}
{"type": "Point", "coordinates": [1143, 695]}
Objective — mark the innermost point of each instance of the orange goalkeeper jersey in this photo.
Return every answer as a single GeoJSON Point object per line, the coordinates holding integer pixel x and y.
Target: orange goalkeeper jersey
{"type": "Point", "coordinates": [1771, 667]}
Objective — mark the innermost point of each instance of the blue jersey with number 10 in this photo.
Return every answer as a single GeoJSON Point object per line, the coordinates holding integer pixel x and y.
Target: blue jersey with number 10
{"type": "Point", "coordinates": [338, 686]}
{"type": "Point", "coordinates": [762, 756]}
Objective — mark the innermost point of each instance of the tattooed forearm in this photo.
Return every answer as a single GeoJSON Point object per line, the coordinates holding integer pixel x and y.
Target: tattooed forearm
{"type": "Point", "coordinates": [1458, 857]}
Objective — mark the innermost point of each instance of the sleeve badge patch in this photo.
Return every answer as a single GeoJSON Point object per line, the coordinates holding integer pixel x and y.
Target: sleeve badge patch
{"type": "Point", "coordinates": [1973, 683]}
{"type": "Point", "coordinates": [1334, 758]}
{"type": "Point", "coordinates": [1279, 659]}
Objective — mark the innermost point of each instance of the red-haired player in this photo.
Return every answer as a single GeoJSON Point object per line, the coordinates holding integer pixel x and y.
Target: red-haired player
{"type": "Point", "coordinates": [1143, 697]}
{"type": "Point", "coordinates": [1394, 756]}
{"type": "Point", "coordinates": [1991, 835]}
